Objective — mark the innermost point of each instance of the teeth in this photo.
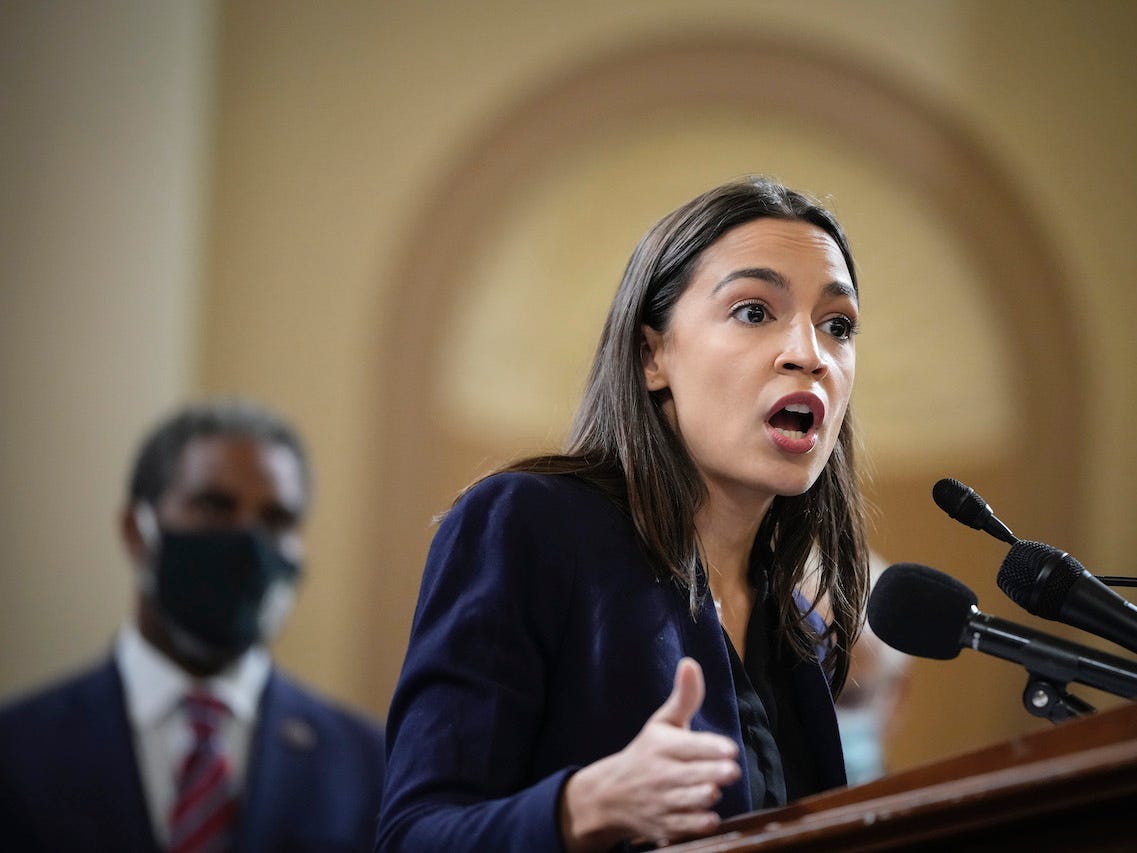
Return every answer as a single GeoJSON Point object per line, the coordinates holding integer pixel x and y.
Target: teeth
{"type": "Point", "coordinates": [791, 433]}
{"type": "Point", "coordinates": [798, 408]}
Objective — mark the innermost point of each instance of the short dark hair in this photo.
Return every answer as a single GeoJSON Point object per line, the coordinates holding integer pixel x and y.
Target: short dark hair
{"type": "Point", "coordinates": [161, 450]}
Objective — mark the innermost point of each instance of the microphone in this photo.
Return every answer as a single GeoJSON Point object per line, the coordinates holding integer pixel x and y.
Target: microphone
{"type": "Point", "coordinates": [1052, 584]}
{"type": "Point", "coordinates": [964, 505]}
{"type": "Point", "coordinates": [926, 613]}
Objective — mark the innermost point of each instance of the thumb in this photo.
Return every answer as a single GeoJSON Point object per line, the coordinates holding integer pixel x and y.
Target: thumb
{"type": "Point", "coordinates": [686, 696]}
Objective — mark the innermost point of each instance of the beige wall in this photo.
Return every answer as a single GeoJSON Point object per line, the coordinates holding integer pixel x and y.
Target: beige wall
{"type": "Point", "coordinates": [104, 123]}
{"type": "Point", "coordinates": [342, 284]}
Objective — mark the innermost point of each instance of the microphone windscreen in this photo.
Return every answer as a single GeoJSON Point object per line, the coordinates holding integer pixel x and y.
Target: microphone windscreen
{"type": "Point", "coordinates": [920, 611]}
{"type": "Point", "coordinates": [960, 502]}
{"type": "Point", "coordinates": [1038, 577]}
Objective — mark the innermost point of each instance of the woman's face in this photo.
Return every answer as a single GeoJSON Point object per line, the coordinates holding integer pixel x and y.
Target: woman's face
{"type": "Point", "coordinates": [758, 360]}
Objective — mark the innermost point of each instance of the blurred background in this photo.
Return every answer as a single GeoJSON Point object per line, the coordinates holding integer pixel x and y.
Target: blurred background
{"type": "Point", "coordinates": [401, 223]}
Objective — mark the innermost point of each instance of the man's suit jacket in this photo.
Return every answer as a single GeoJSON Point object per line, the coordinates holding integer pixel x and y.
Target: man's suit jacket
{"type": "Point", "coordinates": [541, 643]}
{"type": "Point", "coordinates": [69, 778]}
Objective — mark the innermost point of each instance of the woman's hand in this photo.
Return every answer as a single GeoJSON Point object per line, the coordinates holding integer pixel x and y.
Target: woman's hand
{"type": "Point", "coordinates": [661, 786]}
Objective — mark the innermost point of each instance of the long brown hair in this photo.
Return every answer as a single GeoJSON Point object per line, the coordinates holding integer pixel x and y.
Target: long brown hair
{"type": "Point", "coordinates": [621, 441]}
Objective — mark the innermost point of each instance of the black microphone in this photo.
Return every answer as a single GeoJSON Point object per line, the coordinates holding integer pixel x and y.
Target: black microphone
{"type": "Point", "coordinates": [926, 613]}
{"type": "Point", "coordinates": [964, 505]}
{"type": "Point", "coordinates": [1052, 584]}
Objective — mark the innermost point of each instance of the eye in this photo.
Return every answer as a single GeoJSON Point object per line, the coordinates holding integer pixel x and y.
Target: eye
{"type": "Point", "coordinates": [842, 328]}
{"type": "Point", "coordinates": [280, 519]}
{"type": "Point", "coordinates": [752, 313]}
{"type": "Point", "coordinates": [214, 505]}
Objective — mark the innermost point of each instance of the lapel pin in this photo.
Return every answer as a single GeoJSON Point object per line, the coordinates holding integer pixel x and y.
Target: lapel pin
{"type": "Point", "coordinates": [297, 733]}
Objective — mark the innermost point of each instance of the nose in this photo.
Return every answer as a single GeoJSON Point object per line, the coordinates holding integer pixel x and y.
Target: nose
{"type": "Point", "coordinates": [801, 350]}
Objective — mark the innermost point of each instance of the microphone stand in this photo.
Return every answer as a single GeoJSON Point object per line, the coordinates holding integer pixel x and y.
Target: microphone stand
{"type": "Point", "coordinates": [1117, 580]}
{"type": "Point", "coordinates": [1047, 698]}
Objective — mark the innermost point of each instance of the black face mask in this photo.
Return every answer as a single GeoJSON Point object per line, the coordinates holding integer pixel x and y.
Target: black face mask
{"type": "Point", "coordinates": [225, 589]}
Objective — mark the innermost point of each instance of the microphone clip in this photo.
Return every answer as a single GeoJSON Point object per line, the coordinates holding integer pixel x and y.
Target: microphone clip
{"type": "Point", "coordinates": [1046, 698]}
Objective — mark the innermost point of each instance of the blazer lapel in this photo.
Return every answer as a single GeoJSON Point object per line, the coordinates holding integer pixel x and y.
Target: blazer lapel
{"type": "Point", "coordinates": [819, 718]}
{"type": "Point", "coordinates": [124, 816]}
{"type": "Point", "coordinates": [280, 761]}
{"type": "Point", "coordinates": [706, 643]}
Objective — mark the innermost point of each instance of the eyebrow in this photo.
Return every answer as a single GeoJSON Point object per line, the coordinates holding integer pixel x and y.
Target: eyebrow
{"type": "Point", "coordinates": [833, 288]}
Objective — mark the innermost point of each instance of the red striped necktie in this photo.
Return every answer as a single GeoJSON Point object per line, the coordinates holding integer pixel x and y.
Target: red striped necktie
{"type": "Point", "coordinates": [205, 810]}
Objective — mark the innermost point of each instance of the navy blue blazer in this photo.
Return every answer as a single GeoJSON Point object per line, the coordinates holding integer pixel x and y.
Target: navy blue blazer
{"type": "Point", "coordinates": [542, 642]}
{"type": "Point", "coordinates": [69, 778]}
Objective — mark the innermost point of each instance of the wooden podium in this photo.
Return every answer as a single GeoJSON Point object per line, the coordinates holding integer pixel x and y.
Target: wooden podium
{"type": "Point", "coordinates": [1072, 787]}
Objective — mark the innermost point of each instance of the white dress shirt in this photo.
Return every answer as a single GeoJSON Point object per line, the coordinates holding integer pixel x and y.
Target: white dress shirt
{"type": "Point", "coordinates": [155, 687]}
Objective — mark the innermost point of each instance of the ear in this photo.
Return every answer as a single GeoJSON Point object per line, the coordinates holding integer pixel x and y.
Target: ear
{"type": "Point", "coordinates": [651, 356]}
{"type": "Point", "coordinates": [131, 535]}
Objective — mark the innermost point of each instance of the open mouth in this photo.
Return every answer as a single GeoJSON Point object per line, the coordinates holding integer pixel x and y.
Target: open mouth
{"type": "Point", "coordinates": [793, 421]}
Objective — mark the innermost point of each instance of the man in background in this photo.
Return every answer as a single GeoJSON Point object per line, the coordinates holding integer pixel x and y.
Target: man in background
{"type": "Point", "coordinates": [187, 737]}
